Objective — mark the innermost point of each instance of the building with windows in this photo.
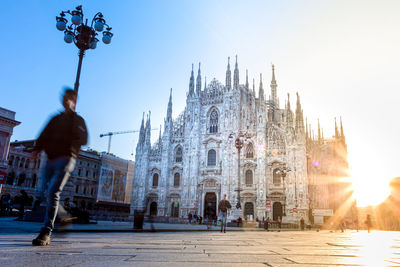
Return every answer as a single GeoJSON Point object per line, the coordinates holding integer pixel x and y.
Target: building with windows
{"type": "Point", "coordinates": [82, 185]}
{"type": "Point", "coordinates": [195, 162]}
{"type": "Point", "coordinates": [7, 124]}
{"type": "Point", "coordinates": [23, 169]}
{"type": "Point", "coordinates": [24, 172]}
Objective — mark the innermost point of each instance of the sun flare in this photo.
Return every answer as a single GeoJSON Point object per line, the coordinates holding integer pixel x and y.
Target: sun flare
{"type": "Point", "coordinates": [369, 188]}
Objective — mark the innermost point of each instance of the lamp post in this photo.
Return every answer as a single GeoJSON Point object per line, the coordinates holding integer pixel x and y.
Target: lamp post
{"type": "Point", "coordinates": [240, 140]}
{"type": "Point", "coordinates": [82, 34]}
{"type": "Point", "coordinates": [282, 171]}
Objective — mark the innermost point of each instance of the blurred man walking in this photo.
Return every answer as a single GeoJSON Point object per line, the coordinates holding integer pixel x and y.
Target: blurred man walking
{"type": "Point", "coordinates": [61, 140]}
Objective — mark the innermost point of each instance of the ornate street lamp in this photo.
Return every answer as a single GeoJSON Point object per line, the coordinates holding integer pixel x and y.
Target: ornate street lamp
{"type": "Point", "coordinates": [283, 171]}
{"type": "Point", "coordinates": [240, 140]}
{"type": "Point", "coordinates": [83, 35]}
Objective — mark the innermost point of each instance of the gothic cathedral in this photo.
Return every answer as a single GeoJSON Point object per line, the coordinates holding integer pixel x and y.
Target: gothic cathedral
{"type": "Point", "coordinates": [228, 140]}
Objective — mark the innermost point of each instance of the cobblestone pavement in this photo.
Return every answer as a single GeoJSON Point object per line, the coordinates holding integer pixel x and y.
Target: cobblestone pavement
{"type": "Point", "coordinates": [253, 248]}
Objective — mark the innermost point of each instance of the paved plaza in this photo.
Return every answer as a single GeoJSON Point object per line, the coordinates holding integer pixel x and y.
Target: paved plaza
{"type": "Point", "coordinates": [195, 248]}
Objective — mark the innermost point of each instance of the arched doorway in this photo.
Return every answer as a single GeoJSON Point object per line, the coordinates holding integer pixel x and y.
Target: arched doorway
{"type": "Point", "coordinates": [249, 209]}
{"type": "Point", "coordinates": [277, 211]}
{"type": "Point", "coordinates": [210, 205]}
{"type": "Point", "coordinates": [175, 209]}
{"type": "Point", "coordinates": [153, 209]}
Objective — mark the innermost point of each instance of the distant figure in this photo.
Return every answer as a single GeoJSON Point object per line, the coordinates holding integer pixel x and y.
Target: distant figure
{"type": "Point", "coordinates": [239, 221]}
{"type": "Point", "coordinates": [280, 222]}
{"type": "Point", "coordinates": [4, 204]}
{"type": "Point", "coordinates": [190, 217]}
{"type": "Point", "coordinates": [368, 223]}
{"type": "Point", "coordinates": [223, 207]}
{"type": "Point", "coordinates": [302, 224]}
{"type": "Point", "coordinates": [24, 199]}
{"type": "Point", "coordinates": [356, 224]}
{"type": "Point", "coordinates": [61, 140]}
{"type": "Point", "coordinates": [266, 224]}
{"type": "Point", "coordinates": [21, 200]}
{"type": "Point", "coordinates": [10, 206]}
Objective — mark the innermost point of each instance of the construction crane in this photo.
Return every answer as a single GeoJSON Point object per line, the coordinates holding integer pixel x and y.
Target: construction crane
{"type": "Point", "coordinates": [110, 134]}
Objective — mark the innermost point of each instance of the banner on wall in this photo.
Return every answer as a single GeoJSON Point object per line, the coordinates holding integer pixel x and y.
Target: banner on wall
{"type": "Point", "coordinates": [106, 184]}
{"type": "Point", "coordinates": [118, 192]}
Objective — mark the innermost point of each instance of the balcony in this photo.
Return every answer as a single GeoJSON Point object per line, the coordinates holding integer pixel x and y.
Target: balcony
{"type": "Point", "coordinates": [211, 170]}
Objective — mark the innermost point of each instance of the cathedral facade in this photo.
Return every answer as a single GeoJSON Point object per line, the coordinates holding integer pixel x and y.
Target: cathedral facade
{"type": "Point", "coordinates": [196, 161]}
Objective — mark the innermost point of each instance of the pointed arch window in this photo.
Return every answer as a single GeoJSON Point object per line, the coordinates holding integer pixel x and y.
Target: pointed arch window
{"type": "Point", "coordinates": [212, 158]}
{"type": "Point", "coordinates": [155, 180]}
{"type": "Point", "coordinates": [213, 121]}
{"type": "Point", "coordinates": [276, 177]}
{"type": "Point", "coordinates": [249, 177]}
{"type": "Point", "coordinates": [177, 179]}
{"type": "Point", "coordinates": [249, 151]}
{"type": "Point", "coordinates": [178, 154]}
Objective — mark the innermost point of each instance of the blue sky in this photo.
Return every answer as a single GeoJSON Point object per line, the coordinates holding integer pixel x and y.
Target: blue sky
{"type": "Point", "coordinates": [341, 56]}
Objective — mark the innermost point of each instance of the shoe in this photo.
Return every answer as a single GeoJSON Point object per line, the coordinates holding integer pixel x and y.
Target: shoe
{"type": "Point", "coordinates": [43, 239]}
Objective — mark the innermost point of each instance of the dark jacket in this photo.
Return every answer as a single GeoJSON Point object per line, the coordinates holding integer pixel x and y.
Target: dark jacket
{"type": "Point", "coordinates": [224, 205]}
{"type": "Point", "coordinates": [63, 136]}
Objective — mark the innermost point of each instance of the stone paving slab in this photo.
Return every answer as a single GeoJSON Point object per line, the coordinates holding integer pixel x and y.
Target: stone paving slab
{"type": "Point", "coordinates": [205, 249]}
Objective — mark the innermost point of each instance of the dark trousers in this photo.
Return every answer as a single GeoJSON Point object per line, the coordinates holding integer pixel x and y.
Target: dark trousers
{"type": "Point", "coordinates": [55, 176]}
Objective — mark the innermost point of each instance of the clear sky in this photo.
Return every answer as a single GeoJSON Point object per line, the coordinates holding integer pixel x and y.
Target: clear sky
{"type": "Point", "coordinates": [342, 57]}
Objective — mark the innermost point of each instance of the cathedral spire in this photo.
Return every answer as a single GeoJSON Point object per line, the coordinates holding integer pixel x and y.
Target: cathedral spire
{"type": "Point", "coordinates": [336, 130]}
{"type": "Point", "coordinates": [148, 130]}
{"type": "Point", "coordinates": [289, 117]}
{"type": "Point", "coordinates": [319, 133]}
{"type": "Point", "coordinates": [261, 90]}
{"type": "Point", "coordinates": [254, 89]}
{"type": "Point", "coordinates": [169, 110]}
{"type": "Point", "coordinates": [322, 130]}
{"type": "Point", "coordinates": [191, 83]}
{"type": "Point", "coordinates": [288, 102]}
{"type": "Point", "coordinates": [236, 76]}
{"type": "Point", "coordinates": [343, 138]}
{"type": "Point", "coordinates": [299, 115]}
{"type": "Point", "coordinates": [159, 136]}
{"type": "Point", "coordinates": [247, 79]}
{"type": "Point", "coordinates": [142, 133]}
{"type": "Point", "coordinates": [273, 87]}
{"type": "Point", "coordinates": [341, 127]}
{"type": "Point", "coordinates": [198, 82]}
{"type": "Point", "coordinates": [205, 83]}
{"type": "Point", "coordinates": [228, 81]}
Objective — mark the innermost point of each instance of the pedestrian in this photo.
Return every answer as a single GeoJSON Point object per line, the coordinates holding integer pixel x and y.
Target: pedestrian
{"type": "Point", "coordinates": [190, 217]}
{"type": "Point", "coordinates": [368, 223]}
{"type": "Point", "coordinates": [356, 224]}
{"type": "Point", "coordinates": [280, 223]}
{"type": "Point", "coordinates": [266, 224]}
{"type": "Point", "coordinates": [23, 200]}
{"type": "Point", "coordinates": [302, 224]}
{"type": "Point", "coordinates": [223, 207]}
{"type": "Point", "coordinates": [61, 140]}
{"type": "Point", "coordinates": [10, 206]}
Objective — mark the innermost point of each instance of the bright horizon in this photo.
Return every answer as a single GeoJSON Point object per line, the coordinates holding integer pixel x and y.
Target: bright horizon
{"type": "Point", "coordinates": [342, 57]}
